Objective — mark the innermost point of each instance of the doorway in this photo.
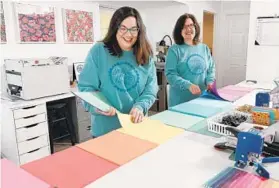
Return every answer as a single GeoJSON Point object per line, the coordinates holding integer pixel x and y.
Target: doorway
{"type": "Point", "coordinates": [208, 29]}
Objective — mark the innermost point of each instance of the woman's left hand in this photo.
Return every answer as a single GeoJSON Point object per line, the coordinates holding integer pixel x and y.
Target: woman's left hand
{"type": "Point", "coordinates": [137, 115]}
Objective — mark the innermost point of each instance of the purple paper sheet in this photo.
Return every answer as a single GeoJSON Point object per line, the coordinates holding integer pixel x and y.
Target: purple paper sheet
{"type": "Point", "coordinates": [229, 93]}
{"type": "Point", "coordinates": [214, 91]}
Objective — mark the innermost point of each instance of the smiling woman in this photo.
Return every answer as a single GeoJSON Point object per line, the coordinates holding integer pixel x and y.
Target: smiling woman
{"type": "Point", "coordinates": [190, 69]}
{"type": "Point", "coordinates": [121, 67]}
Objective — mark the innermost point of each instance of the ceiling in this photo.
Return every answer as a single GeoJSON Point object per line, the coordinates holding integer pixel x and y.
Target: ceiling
{"type": "Point", "coordinates": [139, 4]}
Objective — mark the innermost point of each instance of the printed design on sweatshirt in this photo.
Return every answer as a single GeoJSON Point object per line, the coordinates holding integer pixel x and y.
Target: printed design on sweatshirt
{"type": "Point", "coordinates": [196, 64]}
{"type": "Point", "coordinates": [123, 76]}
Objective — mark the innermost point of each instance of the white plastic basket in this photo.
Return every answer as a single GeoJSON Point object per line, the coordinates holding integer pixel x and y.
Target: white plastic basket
{"type": "Point", "coordinates": [216, 127]}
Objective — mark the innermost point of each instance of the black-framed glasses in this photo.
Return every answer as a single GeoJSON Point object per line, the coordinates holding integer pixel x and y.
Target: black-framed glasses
{"type": "Point", "coordinates": [133, 30]}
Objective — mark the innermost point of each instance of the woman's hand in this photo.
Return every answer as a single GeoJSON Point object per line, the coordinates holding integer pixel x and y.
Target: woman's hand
{"type": "Point", "coordinates": [210, 87]}
{"type": "Point", "coordinates": [195, 90]}
{"type": "Point", "coordinates": [137, 115]}
{"type": "Point", "coordinates": [110, 112]}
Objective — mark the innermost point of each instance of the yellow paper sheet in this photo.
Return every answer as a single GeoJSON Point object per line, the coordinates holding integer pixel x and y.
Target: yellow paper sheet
{"type": "Point", "coordinates": [150, 130]}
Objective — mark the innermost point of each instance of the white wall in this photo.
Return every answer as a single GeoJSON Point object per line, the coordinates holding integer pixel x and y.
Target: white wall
{"type": "Point", "coordinates": [262, 61]}
{"type": "Point", "coordinates": [161, 21]}
{"type": "Point", "coordinates": [75, 52]}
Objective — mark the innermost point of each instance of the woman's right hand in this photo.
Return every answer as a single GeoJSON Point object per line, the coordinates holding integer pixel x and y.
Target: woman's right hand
{"type": "Point", "coordinates": [110, 112]}
{"type": "Point", "coordinates": [195, 90]}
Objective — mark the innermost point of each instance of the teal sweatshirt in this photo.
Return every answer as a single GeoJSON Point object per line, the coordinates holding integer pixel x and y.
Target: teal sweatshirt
{"type": "Point", "coordinates": [121, 80]}
{"type": "Point", "coordinates": [186, 65]}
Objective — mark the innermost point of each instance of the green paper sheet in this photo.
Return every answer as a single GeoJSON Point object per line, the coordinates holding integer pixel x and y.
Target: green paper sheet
{"type": "Point", "coordinates": [96, 99]}
{"type": "Point", "coordinates": [201, 128]}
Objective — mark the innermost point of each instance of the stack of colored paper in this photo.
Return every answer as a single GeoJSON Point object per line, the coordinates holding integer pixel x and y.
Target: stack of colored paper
{"type": "Point", "coordinates": [12, 177]}
{"type": "Point", "coordinates": [176, 119]}
{"type": "Point", "coordinates": [211, 103]}
{"type": "Point", "coordinates": [70, 168]}
{"type": "Point", "coordinates": [150, 130]}
{"type": "Point", "coordinates": [235, 178]}
{"type": "Point", "coordinates": [196, 109]}
{"type": "Point", "coordinates": [117, 147]}
{"type": "Point", "coordinates": [232, 93]}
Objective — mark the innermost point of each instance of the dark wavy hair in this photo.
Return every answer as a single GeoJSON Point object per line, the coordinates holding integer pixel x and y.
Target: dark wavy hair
{"type": "Point", "coordinates": [178, 38]}
{"type": "Point", "coordinates": [142, 48]}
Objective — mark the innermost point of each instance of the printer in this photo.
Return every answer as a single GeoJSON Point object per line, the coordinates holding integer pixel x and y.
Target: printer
{"type": "Point", "coordinates": [35, 78]}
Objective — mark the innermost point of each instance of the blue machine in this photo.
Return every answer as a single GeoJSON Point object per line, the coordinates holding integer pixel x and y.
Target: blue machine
{"type": "Point", "coordinates": [262, 99]}
{"type": "Point", "coordinates": [249, 151]}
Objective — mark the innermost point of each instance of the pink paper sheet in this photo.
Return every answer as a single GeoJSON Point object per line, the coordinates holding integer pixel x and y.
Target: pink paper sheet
{"type": "Point", "coordinates": [230, 93]}
{"type": "Point", "coordinates": [70, 168]}
{"type": "Point", "coordinates": [237, 88]}
{"type": "Point", "coordinates": [13, 177]}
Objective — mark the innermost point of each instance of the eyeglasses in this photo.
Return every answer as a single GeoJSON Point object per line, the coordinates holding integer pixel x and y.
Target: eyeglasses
{"type": "Point", "coordinates": [123, 30]}
{"type": "Point", "coordinates": [191, 26]}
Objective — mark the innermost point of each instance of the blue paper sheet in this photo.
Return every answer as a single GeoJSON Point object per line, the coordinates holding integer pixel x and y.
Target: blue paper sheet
{"type": "Point", "coordinates": [196, 109]}
{"type": "Point", "coordinates": [211, 103]}
{"type": "Point", "coordinates": [177, 119]}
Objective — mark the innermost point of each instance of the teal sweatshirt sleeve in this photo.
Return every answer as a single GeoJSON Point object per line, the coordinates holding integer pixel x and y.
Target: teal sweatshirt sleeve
{"type": "Point", "coordinates": [171, 72]}
{"type": "Point", "coordinates": [89, 77]}
{"type": "Point", "coordinates": [210, 78]}
{"type": "Point", "coordinates": [149, 94]}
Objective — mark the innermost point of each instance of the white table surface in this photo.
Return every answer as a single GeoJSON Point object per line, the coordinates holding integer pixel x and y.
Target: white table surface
{"type": "Point", "coordinates": [249, 98]}
{"type": "Point", "coordinates": [259, 85]}
{"type": "Point", "coordinates": [188, 160]}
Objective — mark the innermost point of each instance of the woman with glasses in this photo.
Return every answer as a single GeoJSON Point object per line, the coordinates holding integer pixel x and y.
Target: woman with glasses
{"type": "Point", "coordinates": [121, 67]}
{"type": "Point", "coordinates": [189, 66]}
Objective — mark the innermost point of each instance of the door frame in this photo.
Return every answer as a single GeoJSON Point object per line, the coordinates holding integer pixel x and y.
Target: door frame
{"type": "Point", "coordinates": [215, 35]}
{"type": "Point", "coordinates": [214, 29]}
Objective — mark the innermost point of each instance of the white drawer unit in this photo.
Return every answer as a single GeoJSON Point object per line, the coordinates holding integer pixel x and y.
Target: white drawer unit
{"type": "Point", "coordinates": [32, 144]}
{"type": "Point", "coordinates": [30, 120]}
{"type": "Point", "coordinates": [29, 111]}
{"type": "Point", "coordinates": [34, 155]}
{"type": "Point", "coordinates": [24, 134]}
{"type": "Point", "coordinates": [31, 131]}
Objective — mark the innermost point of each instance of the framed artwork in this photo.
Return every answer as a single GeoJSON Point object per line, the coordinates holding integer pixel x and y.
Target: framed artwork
{"type": "Point", "coordinates": [2, 24]}
{"type": "Point", "coordinates": [78, 26]}
{"type": "Point", "coordinates": [35, 24]}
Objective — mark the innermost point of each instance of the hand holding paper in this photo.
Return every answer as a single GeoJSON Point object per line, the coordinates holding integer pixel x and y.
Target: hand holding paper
{"type": "Point", "coordinates": [210, 87]}
{"type": "Point", "coordinates": [195, 90]}
{"type": "Point", "coordinates": [136, 115]}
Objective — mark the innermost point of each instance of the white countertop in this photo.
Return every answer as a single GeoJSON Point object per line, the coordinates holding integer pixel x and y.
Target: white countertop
{"type": "Point", "coordinates": [258, 85]}
{"type": "Point", "coordinates": [188, 160]}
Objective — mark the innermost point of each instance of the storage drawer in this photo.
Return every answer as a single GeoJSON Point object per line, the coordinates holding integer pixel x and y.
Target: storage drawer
{"type": "Point", "coordinates": [30, 120]}
{"type": "Point", "coordinates": [31, 131]}
{"type": "Point", "coordinates": [14, 79]}
{"type": "Point", "coordinates": [83, 133]}
{"type": "Point", "coordinates": [32, 144]}
{"type": "Point", "coordinates": [34, 155]}
{"type": "Point", "coordinates": [82, 114]}
{"type": "Point", "coordinates": [29, 111]}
